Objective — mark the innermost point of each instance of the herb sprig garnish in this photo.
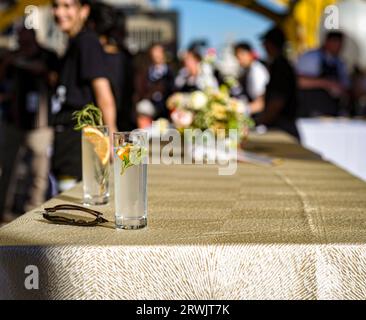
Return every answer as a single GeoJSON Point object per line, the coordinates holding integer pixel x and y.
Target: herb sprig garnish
{"type": "Point", "coordinates": [90, 115]}
{"type": "Point", "coordinates": [131, 155]}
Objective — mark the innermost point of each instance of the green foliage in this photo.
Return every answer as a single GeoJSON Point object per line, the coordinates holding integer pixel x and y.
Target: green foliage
{"type": "Point", "coordinates": [90, 115]}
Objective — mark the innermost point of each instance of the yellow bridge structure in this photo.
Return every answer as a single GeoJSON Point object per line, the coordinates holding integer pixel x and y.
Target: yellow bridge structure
{"type": "Point", "coordinates": [301, 19]}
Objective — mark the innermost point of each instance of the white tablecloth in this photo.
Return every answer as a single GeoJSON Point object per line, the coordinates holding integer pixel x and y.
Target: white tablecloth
{"type": "Point", "coordinates": [341, 141]}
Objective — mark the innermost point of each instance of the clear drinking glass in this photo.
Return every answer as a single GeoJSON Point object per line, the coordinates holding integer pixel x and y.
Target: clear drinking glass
{"type": "Point", "coordinates": [96, 164]}
{"type": "Point", "coordinates": [130, 179]}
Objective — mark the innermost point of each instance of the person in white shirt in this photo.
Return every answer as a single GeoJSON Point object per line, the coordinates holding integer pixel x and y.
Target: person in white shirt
{"type": "Point", "coordinates": [253, 79]}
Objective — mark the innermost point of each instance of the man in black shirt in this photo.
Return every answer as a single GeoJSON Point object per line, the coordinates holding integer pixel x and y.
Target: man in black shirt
{"type": "Point", "coordinates": [82, 63]}
{"type": "Point", "coordinates": [83, 80]}
{"type": "Point", "coordinates": [281, 91]}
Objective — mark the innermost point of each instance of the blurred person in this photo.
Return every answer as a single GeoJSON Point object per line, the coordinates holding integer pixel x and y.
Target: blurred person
{"type": "Point", "coordinates": [323, 78]}
{"type": "Point", "coordinates": [32, 70]}
{"type": "Point", "coordinates": [195, 75]}
{"type": "Point", "coordinates": [5, 86]}
{"type": "Point", "coordinates": [83, 80]}
{"type": "Point", "coordinates": [253, 78]}
{"type": "Point", "coordinates": [8, 151]}
{"type": "Point", "coordinates": [281, 91]}
{"type": "Point", "coordinates": [110, 27]}
{"type": "Point", "coordinates": [153, 84]}
{"type": "Point", "coordinates": [358, 93]}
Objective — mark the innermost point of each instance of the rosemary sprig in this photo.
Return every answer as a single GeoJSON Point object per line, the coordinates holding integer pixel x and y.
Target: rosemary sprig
{"type": "Point", "coordinates": [101, 175]}
{"type": "Point", "coordinates": [125, 164]}
{"type": "Point", "coordinates": [90, 115]}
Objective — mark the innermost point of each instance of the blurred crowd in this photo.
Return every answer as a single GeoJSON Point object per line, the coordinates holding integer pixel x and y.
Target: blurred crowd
{"type": "Point", "coordinates": [40, 152]}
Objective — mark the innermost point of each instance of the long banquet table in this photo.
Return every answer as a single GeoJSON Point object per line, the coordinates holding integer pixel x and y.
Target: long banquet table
{"type": "Point", "coordinates": [339, 140]}
{"type": "Point", "coordinates": [296, 230]}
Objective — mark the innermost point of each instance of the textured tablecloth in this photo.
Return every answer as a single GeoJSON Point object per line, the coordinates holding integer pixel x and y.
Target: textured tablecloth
{"type": "Point", "coordinates": [292, 231]}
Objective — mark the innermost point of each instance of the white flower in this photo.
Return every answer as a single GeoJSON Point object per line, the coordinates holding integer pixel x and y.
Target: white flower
{"type": "Point", "coordinates": [241, 107]}
{"type": "Point", "coordinates": [238, 106]}
{"type": "Point", "coordinates": [182, 119]}
{"type": "Point", "coordinates": [198, 100]}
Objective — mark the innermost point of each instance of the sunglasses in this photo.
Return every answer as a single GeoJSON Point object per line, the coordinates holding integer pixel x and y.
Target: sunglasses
{"type": "Point", "coordinates": [73, 222]}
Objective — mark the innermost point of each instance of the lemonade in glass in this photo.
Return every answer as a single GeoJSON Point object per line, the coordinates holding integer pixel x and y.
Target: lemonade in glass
{"type": "Point", "coordinates": [130, 179]}
{"type": "Point", "coordinates": [95, 164]}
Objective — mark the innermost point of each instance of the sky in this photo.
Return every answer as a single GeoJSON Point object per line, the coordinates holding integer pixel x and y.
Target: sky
{"type": "Point", "coordinates": [218, 23]}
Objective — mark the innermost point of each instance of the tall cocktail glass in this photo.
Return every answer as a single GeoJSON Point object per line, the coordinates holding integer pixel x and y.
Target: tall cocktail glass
{"type": "Point", "coordinates": [130, 179]}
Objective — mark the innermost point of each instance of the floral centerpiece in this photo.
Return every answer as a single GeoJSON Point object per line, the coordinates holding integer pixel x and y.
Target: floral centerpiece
{"type": "Point", "coordinates": [214, 110]}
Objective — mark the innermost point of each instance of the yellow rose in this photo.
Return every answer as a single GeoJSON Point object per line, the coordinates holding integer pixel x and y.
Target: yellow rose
{"type": "Point", "coordinates": [218, 111]}
{"type": "Point", "coordinates": [237, 106]}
